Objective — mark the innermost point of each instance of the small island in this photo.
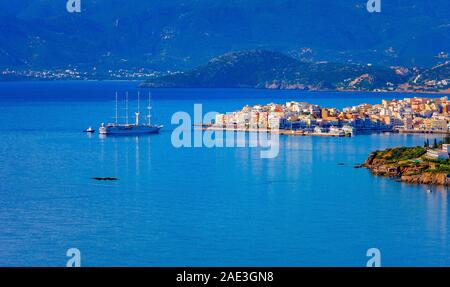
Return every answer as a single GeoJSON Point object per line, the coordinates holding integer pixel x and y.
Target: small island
{"type": "Point", "coordinates": [418, 165]}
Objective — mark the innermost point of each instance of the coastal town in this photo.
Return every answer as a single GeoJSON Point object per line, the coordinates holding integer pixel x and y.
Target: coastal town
{"type": "Point", "coordinates": [408, 115]}
{"type": "Point", "coordinates": [76, 73]}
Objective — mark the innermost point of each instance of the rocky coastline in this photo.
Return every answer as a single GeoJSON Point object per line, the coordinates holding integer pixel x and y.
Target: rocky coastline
{"type": "Point", "coordinates": [408, 165]}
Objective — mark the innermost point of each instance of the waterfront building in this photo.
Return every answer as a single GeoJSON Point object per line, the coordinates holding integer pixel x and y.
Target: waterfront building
{"type": "Point", "coordinates": [315, 111]}
{"type": "Point", "coordinates": [319, 130]}
{"type": "Point", "coordinates": [220, 120]}
{"type": "Point", "coordinates": [263, 120]}
{"type": "Point", "coordinates": [439, 125]}
{"type": "Point", "coordinates": [254, 119]}
{"type": "Point", "coordinates": [395, 122]}
{"type": "Point", "coordinates": [446, 148]}
{"type": "Point", "coordinates": [335, 131]}
{"type": "Point", "coordinates": [437, 154]}
{"type": "Point", "coordinates": [274, 122]}
{"type": "Point", "coordinates": [408, 123]}
{"type": "Point", "coordinates": [419, 114]}
{"type": "Point", "coordinates": [348, 129]}
{"type": "Point", "coordinates": [243, 119]}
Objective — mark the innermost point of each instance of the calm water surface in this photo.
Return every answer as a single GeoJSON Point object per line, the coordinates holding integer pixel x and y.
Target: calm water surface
{"type": "Point", "coordinates": [199, 207]}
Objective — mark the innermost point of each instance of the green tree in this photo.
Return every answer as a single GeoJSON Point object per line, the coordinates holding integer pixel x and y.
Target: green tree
{"type": "Point", "coordinates": [446, 139]}
{"type": "Point", "coordinates": [435, 144]}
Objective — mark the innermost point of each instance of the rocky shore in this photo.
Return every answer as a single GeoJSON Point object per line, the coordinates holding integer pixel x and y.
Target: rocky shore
{"type": "Point", "coordinates": [408, 165]}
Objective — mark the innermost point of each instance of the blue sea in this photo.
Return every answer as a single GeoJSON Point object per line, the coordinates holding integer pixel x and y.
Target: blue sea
{"type": "Point", "coordinates": [200, 206]}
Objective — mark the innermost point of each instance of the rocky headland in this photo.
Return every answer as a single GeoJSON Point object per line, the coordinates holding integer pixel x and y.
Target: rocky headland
{"type": "Point", "coordinates": [409, 164]}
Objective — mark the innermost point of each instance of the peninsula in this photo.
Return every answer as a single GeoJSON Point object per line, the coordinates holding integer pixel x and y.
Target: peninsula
{"type": "Point", "coordinates": [419, 165]}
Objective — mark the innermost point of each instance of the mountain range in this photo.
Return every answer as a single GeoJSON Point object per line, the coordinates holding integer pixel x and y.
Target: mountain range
{"type": "Point", "coordinates": [181, 35]}
{"type": "Point", "coordinates": [274, 70]}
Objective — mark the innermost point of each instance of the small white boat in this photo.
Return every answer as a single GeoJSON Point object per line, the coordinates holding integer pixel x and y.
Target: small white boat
{"type": "Point", "coordinates": [89, 130]}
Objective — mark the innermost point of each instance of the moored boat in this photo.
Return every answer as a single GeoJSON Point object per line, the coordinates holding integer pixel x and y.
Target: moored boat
{"type": "Point", "coordinates": [126, 128]}
{"type": "Point", "coordinates": [89, 130]}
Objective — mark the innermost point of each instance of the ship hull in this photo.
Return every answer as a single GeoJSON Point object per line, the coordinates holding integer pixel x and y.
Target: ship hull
{"type": "Point", "coordinates": [130, 130]}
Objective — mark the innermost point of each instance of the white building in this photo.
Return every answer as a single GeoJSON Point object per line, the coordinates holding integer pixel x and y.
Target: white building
{"type": "Point", "coordinates": [446, 148]}
{"type": "Point", "coordinates": [274, 123]}
{"type": "Point", "coordinates": [220, 121]}
{"type": "Point", "coordinates": [437, 154]}
{"type": "Point", "coordinates": [319, 130]}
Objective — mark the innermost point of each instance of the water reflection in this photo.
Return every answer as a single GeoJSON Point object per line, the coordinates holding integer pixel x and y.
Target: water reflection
{"type": "Point", "coordinates": [437, 212]}
{"type": "Point", "coordinates": [304, 187]}
{"type": "Point", "coordinates": [125, 152]}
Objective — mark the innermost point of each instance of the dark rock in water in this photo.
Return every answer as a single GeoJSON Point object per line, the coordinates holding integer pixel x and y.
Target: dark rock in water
{"type": "Point", "coordinates": [341, 163]}
{"type": "Point", "coordinates": [105, 178]}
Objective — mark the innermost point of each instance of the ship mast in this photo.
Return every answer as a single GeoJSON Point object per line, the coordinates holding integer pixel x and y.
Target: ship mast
{"type": "Point", "coordinates": [117, 108]}
{"type": "Point", "coordinates": [138, 110]}
{"type": "Point", "coordinates": [149, 108]}
{"type": "Point", "coordinates": [126, 108]}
